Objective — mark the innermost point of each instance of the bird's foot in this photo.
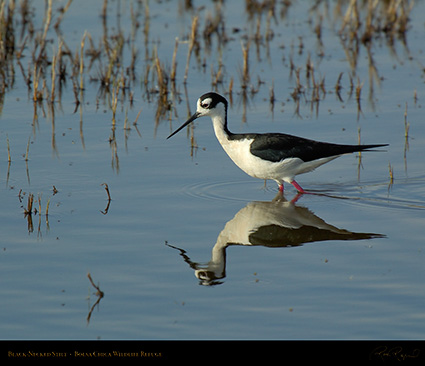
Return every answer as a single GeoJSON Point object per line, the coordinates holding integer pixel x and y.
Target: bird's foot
{"type": "Point", "coordinates": [298, 187]}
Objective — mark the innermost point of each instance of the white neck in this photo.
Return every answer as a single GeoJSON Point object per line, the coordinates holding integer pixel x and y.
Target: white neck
{"type": "Point", "coordinates": [220, 132]}
{"type": "Point", "coordinates": [219, 123]}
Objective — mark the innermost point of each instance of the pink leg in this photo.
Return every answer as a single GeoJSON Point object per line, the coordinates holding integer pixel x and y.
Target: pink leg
{"type": "Point", "coordinates": [298, 187]}
{"type": "Point", "coordinates": [296, 198]}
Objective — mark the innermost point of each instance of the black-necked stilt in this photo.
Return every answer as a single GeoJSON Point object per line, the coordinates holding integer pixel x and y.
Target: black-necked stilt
{"type": "Point", "coordinates": [275, 156]}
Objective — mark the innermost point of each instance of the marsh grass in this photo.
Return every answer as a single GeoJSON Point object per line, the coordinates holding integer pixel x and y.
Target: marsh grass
{"type": "Point", "coordinates": [125, 68]}
{"type": "Point", "coordinates": [33, 208]}
{"type": "Point", "coordinates": [360, 23]}
{"type": "Point", "coordinates": [28, 149]}
{"type": "Point", "coordinates": [193, 42]}
{"type": "Point", "coordinates": [9, 158]}
{"type": "Point", "coordinates": [391, 173]}
{"type": "Point", "coordinates": [99, 294]}
{"type": "Point", "coordinates": [105, 211]}
{"type": "Point", "coordinates": [406, 137]}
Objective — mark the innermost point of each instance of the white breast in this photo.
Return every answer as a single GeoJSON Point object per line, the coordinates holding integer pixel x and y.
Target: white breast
{"type": "Point", "coordinates": [239, 152]}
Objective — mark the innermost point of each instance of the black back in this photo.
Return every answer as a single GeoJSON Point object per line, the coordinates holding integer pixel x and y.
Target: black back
{"type": "Point", "coordinates": [275, 147]}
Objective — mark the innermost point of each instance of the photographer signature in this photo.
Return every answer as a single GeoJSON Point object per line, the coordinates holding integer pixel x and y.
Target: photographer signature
{"type": "Point", "coordinates": [395, 353]}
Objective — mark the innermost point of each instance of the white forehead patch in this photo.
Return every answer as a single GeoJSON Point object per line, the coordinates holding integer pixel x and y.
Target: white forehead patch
{"type": "Point", "coordinates": [205, 103]}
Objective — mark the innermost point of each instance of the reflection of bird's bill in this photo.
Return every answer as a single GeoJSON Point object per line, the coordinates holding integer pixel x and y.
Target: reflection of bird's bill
{"type": "Point", "coordinates": [191, 119]}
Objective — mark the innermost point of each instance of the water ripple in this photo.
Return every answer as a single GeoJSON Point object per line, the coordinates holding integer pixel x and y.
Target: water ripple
{"type": "Point", "coordinates": [375, 193]}
{"type": "Point", "coordinates": [396, 196]}
{"type": "Point", "coordinates": [237, 190]}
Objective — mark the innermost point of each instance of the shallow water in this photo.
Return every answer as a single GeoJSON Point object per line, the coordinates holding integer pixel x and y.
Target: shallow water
{"type": "Point", "coordinates": [189, 247]}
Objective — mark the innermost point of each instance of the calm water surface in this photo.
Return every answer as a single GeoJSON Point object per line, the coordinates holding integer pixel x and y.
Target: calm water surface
{"type": "Point", "coordinates": [189, 247]}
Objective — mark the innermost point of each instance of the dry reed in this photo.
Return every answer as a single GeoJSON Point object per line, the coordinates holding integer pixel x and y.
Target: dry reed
{"type": "Point", "coordinates": [192, 43]}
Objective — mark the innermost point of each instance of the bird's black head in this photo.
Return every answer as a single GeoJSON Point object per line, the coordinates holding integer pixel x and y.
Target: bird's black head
{"type": "Point", "coordinates": [210, 100]}
{"type": "Point", "coordinates": [210, 104]}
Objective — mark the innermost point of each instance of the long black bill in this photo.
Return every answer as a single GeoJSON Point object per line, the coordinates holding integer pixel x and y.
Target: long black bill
{"type": "Point", "coordinates": [191, 119]}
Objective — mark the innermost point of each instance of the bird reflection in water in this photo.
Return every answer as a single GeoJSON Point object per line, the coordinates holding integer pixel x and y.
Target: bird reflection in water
{"type": "Point", "coordinates": [277, 224]}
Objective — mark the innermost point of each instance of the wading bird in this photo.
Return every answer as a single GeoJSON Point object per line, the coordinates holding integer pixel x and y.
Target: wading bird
{"type": "Point", "coordinates": [275, 156]}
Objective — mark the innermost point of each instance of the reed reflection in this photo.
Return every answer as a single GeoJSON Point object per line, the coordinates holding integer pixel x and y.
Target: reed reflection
{"type": "Point", "coordinates": [276, 224]}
